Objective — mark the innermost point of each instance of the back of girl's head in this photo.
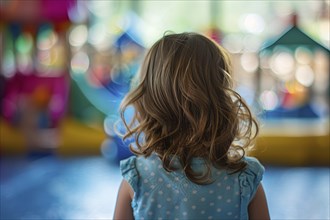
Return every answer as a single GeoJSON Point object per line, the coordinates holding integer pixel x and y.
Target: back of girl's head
{"type": "Point", "coordinates": [185, 106]}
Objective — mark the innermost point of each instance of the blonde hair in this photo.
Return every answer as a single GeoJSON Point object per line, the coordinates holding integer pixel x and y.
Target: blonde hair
{"type": "Point", "coordinates": [185, 107]}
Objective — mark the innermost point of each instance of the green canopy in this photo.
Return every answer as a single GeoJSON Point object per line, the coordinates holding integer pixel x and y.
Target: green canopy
{"type": "Point", "coordinates": [293, 37]}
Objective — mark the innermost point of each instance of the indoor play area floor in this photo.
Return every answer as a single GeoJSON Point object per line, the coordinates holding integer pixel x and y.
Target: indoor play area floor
{"type": "Point", "coordinates": [86, 188]}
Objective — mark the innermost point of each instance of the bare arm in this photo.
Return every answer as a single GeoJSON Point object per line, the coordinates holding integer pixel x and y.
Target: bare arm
{"type": "Point", "coordinates": [123, 208]}
{"type": "Point", "coordinates": [258, 208]}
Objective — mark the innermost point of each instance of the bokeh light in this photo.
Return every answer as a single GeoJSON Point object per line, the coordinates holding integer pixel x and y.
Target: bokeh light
{"type": "Point", "coordinates": [99, 36]}
{"type": "Point", "coordinates": [121, 74]}
{"type": "Point", "coordinates": [252, 23]}
{"type": "Point", "coordinates": [78, 36]}
{"type": "Point", "coordinates": [9, 66]}
{"type": "Point", "coordinates": [47, 38]}
{"type": "Point", "coordinates": [24, 47]}
{"type": "Point", "coordinates": [24, 63]}
{"type": "Point", "coordinates": [24, 43]}
{"type": "Point", "coordinates": [109, 149]}
{"type": "Point", "coordinates": [282, 64]}
{"type": "Point", "coordinates": [249, 62]}
{"type": "Point", "coordinates": [303, 55]}
{"type": "Point", "coordinates": [269, 100]}
{"type": "Point", "coordinates": [109, 124]}
{"type": "Point", "coordinates": [305, 75]}
{"type": "Point", "coordinates": [80, 63]}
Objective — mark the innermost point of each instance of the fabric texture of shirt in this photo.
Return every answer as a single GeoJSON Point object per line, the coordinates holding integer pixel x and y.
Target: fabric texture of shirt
{"type": "Point", "coordinates": [159, 194]}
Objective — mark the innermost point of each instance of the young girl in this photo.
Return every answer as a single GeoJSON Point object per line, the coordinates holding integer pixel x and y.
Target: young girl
{"type": "Point", "coordinates": [190, 129]}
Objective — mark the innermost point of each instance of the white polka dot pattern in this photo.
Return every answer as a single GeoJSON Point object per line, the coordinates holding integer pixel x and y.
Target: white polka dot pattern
{"type": "Point", "coordinates": [170, 195]}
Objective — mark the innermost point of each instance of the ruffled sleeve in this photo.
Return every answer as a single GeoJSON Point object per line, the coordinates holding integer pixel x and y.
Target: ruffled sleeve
{"type": "Point", "coordinates": [249, 180]}
{"type": "Point", "coordinates": [129, 172]}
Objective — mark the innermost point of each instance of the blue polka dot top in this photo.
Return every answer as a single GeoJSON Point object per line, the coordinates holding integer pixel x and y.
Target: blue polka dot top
{"type": "Point", "coordinates": [159, 194]}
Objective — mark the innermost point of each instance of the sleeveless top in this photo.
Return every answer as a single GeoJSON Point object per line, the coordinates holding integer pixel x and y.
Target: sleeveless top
{"type": "Point", "coordinates": [159, 194]}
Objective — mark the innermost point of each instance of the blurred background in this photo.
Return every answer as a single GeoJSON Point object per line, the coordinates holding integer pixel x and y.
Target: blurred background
{"type": "Point", "coordinates": [66, 65]}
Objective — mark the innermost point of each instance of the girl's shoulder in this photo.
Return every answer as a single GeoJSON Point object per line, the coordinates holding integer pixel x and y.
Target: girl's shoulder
{"type": "Point", "coordinates": [254, 166]}
{"type": "Point", "coordinates": [135, 167]}
{"type": "Point", "coordinates": [135, 164]}
{"type": "Point", "coordinates": [250, 178]}
{"type": "Point", "coordinates": [128, 171]}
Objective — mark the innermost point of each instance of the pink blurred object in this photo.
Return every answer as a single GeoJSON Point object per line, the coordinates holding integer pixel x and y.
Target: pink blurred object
{"type": "Point", "coordinates": [56, 11]}
{"type": "Point", "coordinates": [53, 98]}
{"type": "Point", "coordinates": [36, 11]}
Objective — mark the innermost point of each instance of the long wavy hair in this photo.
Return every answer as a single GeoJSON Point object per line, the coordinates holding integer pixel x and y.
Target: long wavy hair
{"type": "Point", "coordinates": [185, 107]}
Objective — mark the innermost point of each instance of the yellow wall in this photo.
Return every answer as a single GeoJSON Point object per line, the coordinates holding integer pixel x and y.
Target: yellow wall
{"type": "Point", "coordinates": [78, 139]}
{"type": "Point", "coordinates": [75, 139]}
